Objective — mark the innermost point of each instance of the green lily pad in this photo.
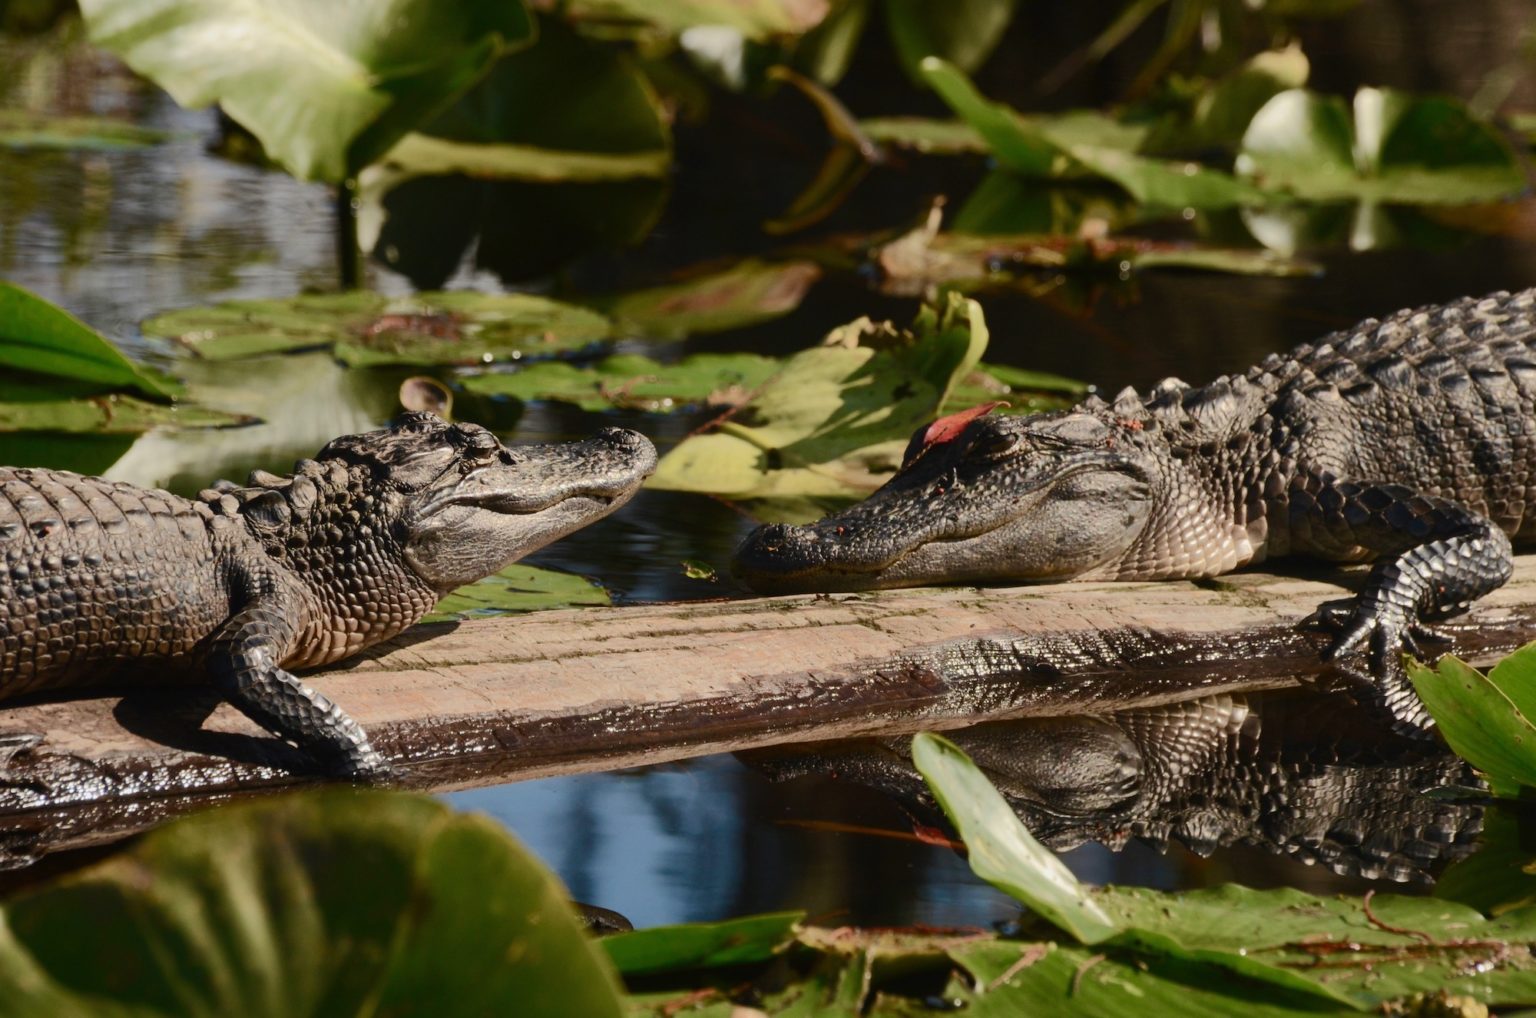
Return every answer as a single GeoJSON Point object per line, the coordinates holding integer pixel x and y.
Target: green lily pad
{"type": "Point", "coordinates": [1082, 144]}
{"type": "Point", "coordinates": [335, 902]}
{"type": "Point", "coordinates": [633, 382]}
{"type": "Point", "coordinates": [519, 588]}
{"type": "Point", "coordinates": [1479, 721]}
{"type": "Point", "coordinates": [24, 129]}
{"type": "Point", "coordinates": [744, 294]}
{"type": "Point", "coordinates": [701, 945]}
{"type": "Point", "coordinates": [1395, 148]}
{"type": "Point", "coordinates": [37, 337]}
{"type": "Point", "coordinates": [836, 419]}
{"type": "Point", "coordinates": [326, 88]}
{"type": "Point", "coordinates": [457, 327]}
{"type": "Point", "coordinates": [111, 414]}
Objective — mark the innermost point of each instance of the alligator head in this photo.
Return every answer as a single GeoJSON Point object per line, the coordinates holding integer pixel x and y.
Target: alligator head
{"type": "Point", "coordinates": [451, 501]}
{"type": "Point", "coordinates": [1045, 497]}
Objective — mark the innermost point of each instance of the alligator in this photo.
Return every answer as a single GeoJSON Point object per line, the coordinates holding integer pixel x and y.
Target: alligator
{"type": "Point", "coordinates": [103, 581]}
{"type": "Point", "coordinates": [1300, 775]}
{"type": "Point", "coordinates": [1409, 442]}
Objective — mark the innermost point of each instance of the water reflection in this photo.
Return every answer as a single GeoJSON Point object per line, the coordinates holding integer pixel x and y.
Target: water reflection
{"type": "Point", "coordinates": [1302, 775]}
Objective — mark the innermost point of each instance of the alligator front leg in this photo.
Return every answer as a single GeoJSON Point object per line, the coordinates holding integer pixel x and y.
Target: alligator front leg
{"type": "Point", "coordinates": [1436, 557]}
{"type": "Point", "coordinates": [243, 661]}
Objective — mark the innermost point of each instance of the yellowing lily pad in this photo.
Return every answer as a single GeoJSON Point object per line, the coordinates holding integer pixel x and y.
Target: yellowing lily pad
{"type": "Point", "coordinates": [835, 420]}
{"type": "Point", "coordinates": [743, 294]}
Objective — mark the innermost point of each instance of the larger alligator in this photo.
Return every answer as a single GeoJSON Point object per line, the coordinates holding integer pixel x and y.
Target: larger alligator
{"type": "Point", "coordinates": [99, 579]}
{"type": "Point", "coordinates": [1409, 441]}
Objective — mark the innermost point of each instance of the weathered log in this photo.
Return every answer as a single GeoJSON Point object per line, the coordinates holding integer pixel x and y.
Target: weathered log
{"type": "Point", "coordinates": [493, 700]}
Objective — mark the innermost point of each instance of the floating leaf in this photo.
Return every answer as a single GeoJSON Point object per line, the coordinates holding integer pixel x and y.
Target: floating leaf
{"type": "Point", "coordinates": [1479, 721]}
{"type": "Point", "coordinates": [748, 292]}
{"type": "Point", "coordinates": [754, 19]}
{"type": "Point", "coordinates": [701, 945]}
{"type": "Point", "coordinates": [835, 420]}
{"type": "Point", "coordinates": [457, 327]}
{"type": "Point", "coordinates": [519, 588]}
{"type": "Point", "coordinates": [633, 382]}
{"type": "Point", "coordinates": [695, 569]}
{"type": "Point", "coordinates": [27, 130]}
{"type": "Point", "coordinates": [38, 337]}
{"type": "Point", "coordinates": [326, 88]}
{"type": "Point", "coordinates": [422, 155]}
{"type": "Point", "coordinates": [111, 414]}
{"type": "Point", "coordinates": [1396, 148]}
{"type": "Point", "coordinates": [334, 902]}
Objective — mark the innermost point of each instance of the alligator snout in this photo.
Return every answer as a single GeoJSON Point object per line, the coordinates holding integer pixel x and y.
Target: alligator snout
{"type": "Point", "coordinates": [635, 448]}
{"type": "Point", "coordinates": [780, 558]}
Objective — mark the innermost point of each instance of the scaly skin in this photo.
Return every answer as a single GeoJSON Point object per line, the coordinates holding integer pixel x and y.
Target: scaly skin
{"type": "Point", "coordinates": [101, 580]}
{"type": "Point", "coordinates": [1409, 442]}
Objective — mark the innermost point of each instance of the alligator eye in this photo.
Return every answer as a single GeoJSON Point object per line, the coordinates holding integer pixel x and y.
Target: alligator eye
{"type": "Point", "coordinates": [997, 446]}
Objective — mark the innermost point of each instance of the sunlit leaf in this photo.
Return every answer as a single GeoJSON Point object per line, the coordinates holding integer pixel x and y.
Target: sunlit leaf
{"type": "Point", "coordinates": [835, 420]}
{"type": "Point", "coordinates": [326, 88]}
{"type": "Point", "coordinates": [1395, 148]}
{"type": "Point", "coordinates": [755, 19]}
{"type": "Point", "coordinates": [339, 902]}
{"type": "Point", "coordinates": [111, 414]}
{"type": "Point", "coordinates": [1479, 721]}
{"type": "Point", "coordinates": [744, 294]}
{"type": "Point", "coordinates": [1000, 849]}
{"type": "Point", "coordinates": [1221, 112]}
{"type": "Point", "coordinates": [38, 337]}
{"type": "Point", "coordinates": [519, 588]}
{"type": "Point", "coordinates": [633, 382]}
{"type": "Point", "coordinates": [457, 327]}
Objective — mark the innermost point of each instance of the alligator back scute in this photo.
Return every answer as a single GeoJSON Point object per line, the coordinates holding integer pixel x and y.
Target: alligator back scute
{"type": "Point", "coordinates": [93, 571]}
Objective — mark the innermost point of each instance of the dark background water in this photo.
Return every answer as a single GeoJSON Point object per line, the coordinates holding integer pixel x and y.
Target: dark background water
{"type": "Point", "coordinates": [117, 236]}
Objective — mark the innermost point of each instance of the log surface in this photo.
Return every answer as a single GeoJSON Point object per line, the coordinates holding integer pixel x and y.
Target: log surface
{"type": "Point", "coordinates": [493, 700]}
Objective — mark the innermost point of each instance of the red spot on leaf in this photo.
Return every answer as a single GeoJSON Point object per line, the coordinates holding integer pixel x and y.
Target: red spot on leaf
{"type": "Point", "coordinates": [947, 429]}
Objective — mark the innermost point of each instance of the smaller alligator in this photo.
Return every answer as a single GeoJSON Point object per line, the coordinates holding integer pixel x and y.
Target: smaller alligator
{"type": "Point", "coordinates": [1410, 442]}
{"type": "Point", "coordinates": [101, 580]}
{"type": "Point", "coordinates": [1297, 774]}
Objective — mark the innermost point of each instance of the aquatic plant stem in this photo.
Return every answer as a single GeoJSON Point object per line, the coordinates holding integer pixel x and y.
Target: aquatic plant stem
{"type": "Point", "coordinates": [349, 256]}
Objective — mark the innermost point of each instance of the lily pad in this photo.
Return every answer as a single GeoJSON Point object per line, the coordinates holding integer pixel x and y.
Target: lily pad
{"type": "Point", "coordinates": [1084, 144]}
{"type": "Point", "coordinates": [335, 902]}
{"type": "Point", "coordinates": [633, 382]}
{"type": "Point", "coordinates": [519, 588]}
{"type": "Point", "coordinates": [702, 945]}
{"type": "Point", "coordinates": [326, 88]}
{"type": "Point", "coordinates": [744, 294]}
{"type": "Point", "coordinates": [836, 419]}
{"type": "Point", "coordinates": [23, 129]}
{"type": "Point", "coordinates": [457, 327]}
{"type": "Point", "coordinates": [110, 414]}
{"type": "Point", "coordinates": [1395, 148]}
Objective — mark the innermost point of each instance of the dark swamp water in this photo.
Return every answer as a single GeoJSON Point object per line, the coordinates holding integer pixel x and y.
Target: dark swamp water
{"type": "Point", "coordinates": [115, 236]}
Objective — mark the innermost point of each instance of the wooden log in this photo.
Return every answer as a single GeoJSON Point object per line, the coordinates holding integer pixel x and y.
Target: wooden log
{"type": "Point", "coordinates": [493, 700]}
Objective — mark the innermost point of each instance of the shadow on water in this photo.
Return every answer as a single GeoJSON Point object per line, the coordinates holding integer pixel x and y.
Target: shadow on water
{"type": "Point", "coordinates": [117, 236]}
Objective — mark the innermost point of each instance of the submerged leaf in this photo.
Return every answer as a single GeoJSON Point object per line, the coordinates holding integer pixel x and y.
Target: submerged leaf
{"type": "Point", "coordinates": [326, 88]}
{"type": "Point", "coordinates": [457, 327]}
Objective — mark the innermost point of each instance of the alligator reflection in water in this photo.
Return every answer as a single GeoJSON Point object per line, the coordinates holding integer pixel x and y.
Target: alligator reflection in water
{"type": "Point", "coordinates": [1300, 774]}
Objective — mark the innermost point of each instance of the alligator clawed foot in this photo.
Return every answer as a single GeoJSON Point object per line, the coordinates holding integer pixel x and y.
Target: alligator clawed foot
{"type": "Point", "coordinates": [1385, 633]}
